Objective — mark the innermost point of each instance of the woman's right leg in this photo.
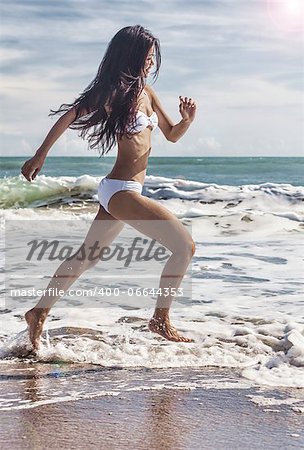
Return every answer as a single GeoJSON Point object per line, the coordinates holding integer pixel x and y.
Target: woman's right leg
{"type": "Point", "coordinates": [103, 230]}
{"type": "Point", "coordinates": [141, 213]}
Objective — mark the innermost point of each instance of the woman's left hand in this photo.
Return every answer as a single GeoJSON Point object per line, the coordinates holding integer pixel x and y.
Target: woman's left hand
{"type": "Point", "coordinates": [187, 108]}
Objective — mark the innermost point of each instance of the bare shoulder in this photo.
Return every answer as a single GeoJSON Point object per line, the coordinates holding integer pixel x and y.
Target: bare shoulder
{"type": "Point", "coordinates": [164, 121]}
{"type": "Point", "coordinates": [149, 89]}
{"type": "Point", "coordinates": [151, 93]}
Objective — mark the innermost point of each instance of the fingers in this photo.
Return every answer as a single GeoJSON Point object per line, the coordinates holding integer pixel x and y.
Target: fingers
{"type": "Point", "coordinates": [29, 172]}
{"type": "Point", "coordinates": [24, 172]}
{"type": "Point", "coordinates": [27, 176]}
{"type": "Point", "coordinates": [187, 102]}
{"type": "Point", "coordinates": [35, 173]}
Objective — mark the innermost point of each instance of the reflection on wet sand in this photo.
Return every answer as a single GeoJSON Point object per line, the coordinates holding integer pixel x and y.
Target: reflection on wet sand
{"type": "Point", "coordinates": [81, 406]}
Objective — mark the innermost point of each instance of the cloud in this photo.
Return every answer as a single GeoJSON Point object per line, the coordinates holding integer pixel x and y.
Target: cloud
{"type": "Point", "coordinates": [244, 72]}
{"type": "Point", "coordinates": [209, 143]}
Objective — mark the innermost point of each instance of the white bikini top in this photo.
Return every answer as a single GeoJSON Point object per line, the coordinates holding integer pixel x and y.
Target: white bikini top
{"type": "Point", "coordinates": [143, 121]}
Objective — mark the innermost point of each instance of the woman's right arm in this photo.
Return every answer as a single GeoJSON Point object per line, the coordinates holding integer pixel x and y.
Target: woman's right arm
{"type": "Point", "coordinates": [32, 166]}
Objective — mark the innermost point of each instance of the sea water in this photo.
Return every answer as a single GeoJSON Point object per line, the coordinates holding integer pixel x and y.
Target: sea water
{"type": "Point", "coordinates": [246, 310]}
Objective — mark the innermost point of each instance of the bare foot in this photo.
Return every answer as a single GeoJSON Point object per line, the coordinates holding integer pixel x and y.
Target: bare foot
{"type": "Point", "coordinates": [35, 320]}
{"type": "Point", "coordinates": [163, 327]}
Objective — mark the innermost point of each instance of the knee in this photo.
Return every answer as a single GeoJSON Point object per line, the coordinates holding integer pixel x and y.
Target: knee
{"type": "Point", "coordinates": [193, 248]}
{"type": "Point", "coordinates": [187, 249]}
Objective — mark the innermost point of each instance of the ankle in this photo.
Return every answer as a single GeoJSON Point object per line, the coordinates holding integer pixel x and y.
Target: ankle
{"type": "Point", "coordinates": [40, 313]}
{"type": "Point", "coordinates": [161, 314]}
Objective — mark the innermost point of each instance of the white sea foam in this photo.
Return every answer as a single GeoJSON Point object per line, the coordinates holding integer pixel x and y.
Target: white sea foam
{"type": "Point", "coordinates": [246, 308]}
{"type": "Point", "coordinates": [16, 191]}
{"type": "Point", "coordinates": [267, 351]}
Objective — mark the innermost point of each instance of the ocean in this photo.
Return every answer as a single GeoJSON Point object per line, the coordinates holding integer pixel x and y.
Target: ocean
{"type": "Point", "coordinates": [227, 171]}
{"type": "Point", "coordinates": [246, 308]}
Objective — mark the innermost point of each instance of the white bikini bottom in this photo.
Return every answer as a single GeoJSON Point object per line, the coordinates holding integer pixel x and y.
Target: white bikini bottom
{"type": "Point", "coordinates": [109, 186]}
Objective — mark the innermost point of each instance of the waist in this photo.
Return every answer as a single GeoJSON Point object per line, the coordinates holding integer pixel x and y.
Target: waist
{"type": "Point", "coordinates": [123, 179]}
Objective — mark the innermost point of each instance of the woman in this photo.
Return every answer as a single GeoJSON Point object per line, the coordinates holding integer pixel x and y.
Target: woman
{"type": "Point", "coordinates": [119, 107]}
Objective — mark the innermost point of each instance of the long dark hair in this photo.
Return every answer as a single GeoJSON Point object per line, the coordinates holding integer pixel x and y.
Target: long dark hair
{"type": "Point", "coordinates": [118, 83]}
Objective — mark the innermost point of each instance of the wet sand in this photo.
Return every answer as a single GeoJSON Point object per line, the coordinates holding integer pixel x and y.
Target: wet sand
{"type": "Point", "coordinates": [154, 419]}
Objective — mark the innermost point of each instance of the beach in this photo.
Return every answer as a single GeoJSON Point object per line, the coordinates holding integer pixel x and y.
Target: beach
{"type": "Point", "coordinates": [100, 377]}
{"type": "Point", "coordinates": [222, 413]}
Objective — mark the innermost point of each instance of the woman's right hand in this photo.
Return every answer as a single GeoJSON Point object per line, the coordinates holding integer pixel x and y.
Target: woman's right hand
{"type": "Point", "coordinates": [32, 167]}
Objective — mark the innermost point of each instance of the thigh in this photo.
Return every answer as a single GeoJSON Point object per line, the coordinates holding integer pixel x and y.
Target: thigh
{"type": "Point", "coordinates": [103, 230]}
{"type": "Point", "coordinates": [150, 218]}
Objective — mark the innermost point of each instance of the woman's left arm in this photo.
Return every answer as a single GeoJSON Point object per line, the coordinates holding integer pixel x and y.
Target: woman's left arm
{"type": "Point", "coordinates": [187, 109]}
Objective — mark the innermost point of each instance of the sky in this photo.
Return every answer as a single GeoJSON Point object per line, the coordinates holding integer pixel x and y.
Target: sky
{"type": "Point", "coordinates": [241, 61]}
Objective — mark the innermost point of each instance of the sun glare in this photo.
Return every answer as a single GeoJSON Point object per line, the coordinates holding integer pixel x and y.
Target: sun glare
{"type": "Point", "coordinates": [294, 6]}
{"type": "Point", "coordinates": [288, 15]}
